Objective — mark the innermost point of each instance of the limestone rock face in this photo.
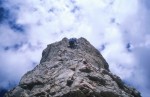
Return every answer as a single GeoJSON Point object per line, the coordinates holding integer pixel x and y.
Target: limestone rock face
{"type": "Point", "coordinates": [71, 72]}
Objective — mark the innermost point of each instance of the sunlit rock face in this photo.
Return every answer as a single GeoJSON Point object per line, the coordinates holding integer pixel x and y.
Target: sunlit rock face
{"type": "Point", "coordinates": [63, 71]}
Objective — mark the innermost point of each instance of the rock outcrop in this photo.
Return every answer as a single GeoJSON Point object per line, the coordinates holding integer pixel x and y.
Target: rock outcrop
{"type": "Point", "coordinates": [71, 72]}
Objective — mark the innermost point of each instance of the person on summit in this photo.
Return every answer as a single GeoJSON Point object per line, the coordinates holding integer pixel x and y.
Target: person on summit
{"type": "Point", "coordinates": [72, 42]}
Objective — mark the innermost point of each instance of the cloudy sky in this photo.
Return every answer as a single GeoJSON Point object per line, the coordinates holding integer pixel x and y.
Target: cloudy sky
{"type": "Point", "coordinates": [118, 28]}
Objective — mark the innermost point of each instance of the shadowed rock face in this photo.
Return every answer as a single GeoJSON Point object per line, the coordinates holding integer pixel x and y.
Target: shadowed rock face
{"type": "Point", "coordinates": [71, 72]}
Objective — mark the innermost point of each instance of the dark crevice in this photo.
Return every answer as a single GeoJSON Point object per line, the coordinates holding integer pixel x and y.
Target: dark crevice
{"type": "Point", "coordinates": [52, 93]}
{"type": "Point", "coordinates": [97, 79]}
{"type": "Point", "coordinates": [69, 82]}
{"type": "Point", "coordinates": [109, 94]}
{"type": "Point", "coordinates": [30, 86]}
{"type": "Point", "coordinates": [41, 94]}
{"type": "Point", "coordinates": [85, 69]}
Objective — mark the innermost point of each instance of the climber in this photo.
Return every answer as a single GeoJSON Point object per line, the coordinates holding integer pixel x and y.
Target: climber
{"type": "Point", "coordinates": [72, 42]}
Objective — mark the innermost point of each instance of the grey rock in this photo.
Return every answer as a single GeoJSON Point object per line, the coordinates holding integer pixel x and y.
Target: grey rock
{"type": "Point", "coordinates": [71, 72]}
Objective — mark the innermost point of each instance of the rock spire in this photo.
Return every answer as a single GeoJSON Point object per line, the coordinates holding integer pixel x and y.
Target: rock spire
{"type": "Point", "coordinates": [71, 72]}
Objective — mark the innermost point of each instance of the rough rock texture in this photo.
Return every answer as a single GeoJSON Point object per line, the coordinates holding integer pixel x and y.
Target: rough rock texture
{"type": "Point", "coordinates": [71, 72]}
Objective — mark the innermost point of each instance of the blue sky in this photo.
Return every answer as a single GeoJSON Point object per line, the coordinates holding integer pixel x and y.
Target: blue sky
{"type": "Point", "coordinates": [118, 28]}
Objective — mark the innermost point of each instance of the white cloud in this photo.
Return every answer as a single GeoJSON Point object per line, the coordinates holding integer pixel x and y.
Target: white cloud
{"type": "Point", "coordinates": [47, 21]}
{"type": "Point", "coordinates": [9, 37]}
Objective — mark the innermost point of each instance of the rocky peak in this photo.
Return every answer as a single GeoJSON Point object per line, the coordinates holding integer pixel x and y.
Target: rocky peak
{"type": "Point", "coordinates": [71, 72]}
{"type": "Point", "coordinates": [60, 51]}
